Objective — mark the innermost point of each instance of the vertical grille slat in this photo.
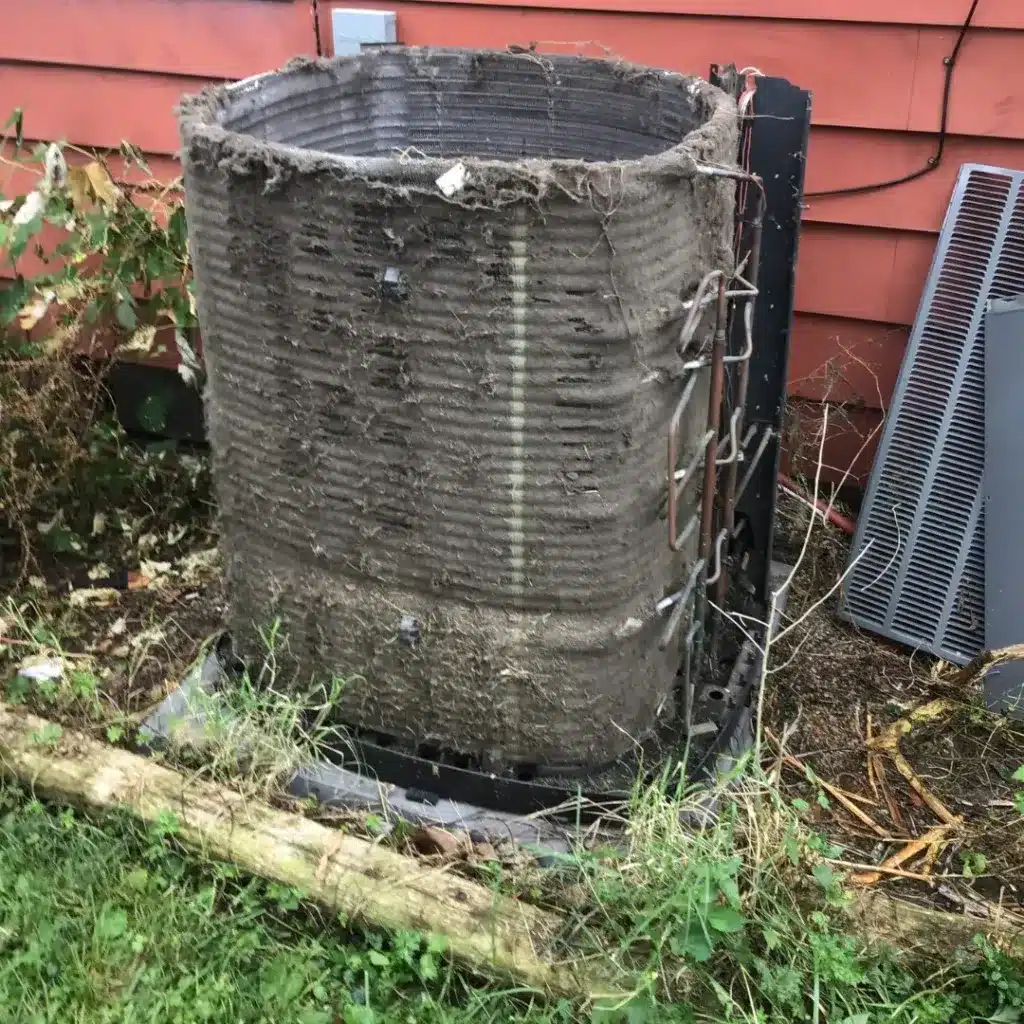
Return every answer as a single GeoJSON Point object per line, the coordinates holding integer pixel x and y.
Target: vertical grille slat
{"type": "Point", "coordinates": [916, 570]}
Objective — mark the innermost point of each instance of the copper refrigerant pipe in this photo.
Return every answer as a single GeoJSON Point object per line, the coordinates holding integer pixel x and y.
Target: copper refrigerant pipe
{"type": "Point", "coordinates": [718, 351]}
{"type": "Point", "coordinates": [752, 271]}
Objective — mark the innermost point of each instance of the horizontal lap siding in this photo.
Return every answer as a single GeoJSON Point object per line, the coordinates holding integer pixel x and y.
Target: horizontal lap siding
{"type": "Point", "coordinates": [99, 72]}
{"type": "Point", "coordinates": [199, 38]}
{"type": "Point", "coordinates": [876, 72]}
{"type": "Point", "coordinates": [105, 71]}
{"type": "Point", "coordinates": [109, 70]}
{"type": "Point", "coordinates": [993, 13]}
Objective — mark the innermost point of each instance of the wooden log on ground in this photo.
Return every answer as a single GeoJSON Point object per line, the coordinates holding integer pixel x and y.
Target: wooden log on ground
{"type": "Point", "coordinates": [935, 934]}
{"type": "Point", "coordinates": [485, 931]}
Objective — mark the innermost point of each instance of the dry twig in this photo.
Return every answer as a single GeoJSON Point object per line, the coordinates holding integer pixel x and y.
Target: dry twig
{"type": "Point", "coordinates": [844, 798]}
{"type": "Point", "coordinates": [865, 871]}
{"type": "Point", "coordinates": [892, 864]}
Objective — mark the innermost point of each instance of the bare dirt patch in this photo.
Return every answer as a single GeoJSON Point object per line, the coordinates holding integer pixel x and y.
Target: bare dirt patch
{"type": "Point", "coordinates": [829, 680]}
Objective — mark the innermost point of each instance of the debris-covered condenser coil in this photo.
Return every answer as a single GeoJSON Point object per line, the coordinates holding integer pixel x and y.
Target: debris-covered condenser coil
{"type": "Point", "coordinates": [441, 295]}
{"type": "Point", "coordinates": [917, 570]}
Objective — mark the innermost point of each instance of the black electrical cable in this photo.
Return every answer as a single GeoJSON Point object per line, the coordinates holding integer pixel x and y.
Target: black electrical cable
{"type": "Point", "coordinates": [316, 27]}
{"type": "Point", "coordinates": [935, 160]}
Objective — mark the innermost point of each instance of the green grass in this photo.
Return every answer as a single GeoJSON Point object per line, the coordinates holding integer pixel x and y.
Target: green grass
{"type": "Point", "coordinates": [108, 922]}
{"type": "Point", "coordinates": [260, 729]}
{"type": "Point", "coordinates": [104, 920]}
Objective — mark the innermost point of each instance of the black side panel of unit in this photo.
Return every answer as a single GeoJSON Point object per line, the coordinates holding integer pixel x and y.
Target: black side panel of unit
{"type": "Point", "coordinates": [778, 156]}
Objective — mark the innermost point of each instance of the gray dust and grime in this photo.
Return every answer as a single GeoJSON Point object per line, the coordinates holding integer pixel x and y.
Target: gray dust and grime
{"type": "Point", "coordinates": [439, 422]}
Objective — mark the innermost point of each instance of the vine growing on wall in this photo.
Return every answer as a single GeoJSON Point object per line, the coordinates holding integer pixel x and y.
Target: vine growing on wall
{"type": "Point", "coordinates": [87, 253]}
{"type": "Point", "coordinates": [95, 263]}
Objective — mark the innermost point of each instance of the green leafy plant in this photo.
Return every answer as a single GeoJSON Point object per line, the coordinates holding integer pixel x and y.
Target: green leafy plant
{"type": "Point", "coordinates": [86, 248]}
{"type": "Point", "coordinates": [1018, 796]}
{"type": "Point", "coordinates": [97, 267]}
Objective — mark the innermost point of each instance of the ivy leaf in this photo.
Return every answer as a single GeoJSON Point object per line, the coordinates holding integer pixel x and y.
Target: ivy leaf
{"type": "Point", "coordinates": [12, 299]}
{"type": "Point", "coordinates": [824, 875]}
{"type": "Point", "coordinates": [428, 967]}
{"type": "Point", "coordinates": [112, 923]}
{"type": "Point", "coordinates": [696, 945]}
{"type": "Point", "coordinates": [156, 265]}
{"type": "Point", "coordinates": [99, 230]}
{"type": "Point", "coordinates": [1018, 775]}
{"type": "Point", "coordinates": [640, 1011]}
{"type": "Point", "coordinates": [726, 920]}
{"type": "Point", "coordinates": [177, 231]}
{"type": "Point", "coordinates": [49, 735]}
{"type": "Point", "coordinates": [17, 122]}
{"type": "Point", "coordinates": [125, 313]}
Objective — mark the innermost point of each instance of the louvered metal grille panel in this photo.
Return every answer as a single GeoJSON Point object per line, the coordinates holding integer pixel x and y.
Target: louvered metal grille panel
{"type": "Point", "coordinates": [917, 565]}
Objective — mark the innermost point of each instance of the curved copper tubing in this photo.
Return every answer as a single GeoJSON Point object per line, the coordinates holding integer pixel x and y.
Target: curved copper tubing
{"type": "Point", "coordinates": [718, 351]}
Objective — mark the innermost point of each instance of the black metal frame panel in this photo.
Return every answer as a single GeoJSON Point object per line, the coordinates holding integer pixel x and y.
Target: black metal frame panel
{"type": "Point", "coordinates": [778, 156]}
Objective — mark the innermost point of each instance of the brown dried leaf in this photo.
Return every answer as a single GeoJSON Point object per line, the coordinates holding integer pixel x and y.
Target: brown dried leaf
{"type": "Point", "coordinates": [103, 187]}
{"type": "Point", "coordinates": [93, 597]}
{"type": "Point", "coordinates": [79, 186]}
{"type": "Point", "coordinates": [32, 312]}
{"type": "Point", "coordinates": [142, 340]}
{"type": "Point", "coordinates": [431, 842]}
{"type": "Point", "coordinates": [138, 580]}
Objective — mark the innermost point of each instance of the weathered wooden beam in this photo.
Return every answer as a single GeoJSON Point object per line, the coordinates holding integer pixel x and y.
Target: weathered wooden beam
{"type": "Point", "coordinates": [936, 934]}
{"type": "Point", "coordinates": [485, 931]}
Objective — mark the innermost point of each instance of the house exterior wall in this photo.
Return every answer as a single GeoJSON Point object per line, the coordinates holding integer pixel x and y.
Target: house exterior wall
{"type": "Point", "coordinates": [108, 70]}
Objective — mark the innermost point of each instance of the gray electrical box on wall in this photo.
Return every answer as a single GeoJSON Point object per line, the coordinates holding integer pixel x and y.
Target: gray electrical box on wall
{"type": "Point", "coordinates": [353, 28]}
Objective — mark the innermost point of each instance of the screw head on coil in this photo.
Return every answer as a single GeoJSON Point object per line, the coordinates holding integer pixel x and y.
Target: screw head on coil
{"type": "Point", "coordinates": [409, 630]}
{"type": "Point", "coordinates": [394, 285]}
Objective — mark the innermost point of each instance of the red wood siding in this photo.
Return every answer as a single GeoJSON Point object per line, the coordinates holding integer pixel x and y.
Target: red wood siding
{"type": "Point", "coordinates": [876, 69]}
{"type": "Point", "coordinates": [99, 72]}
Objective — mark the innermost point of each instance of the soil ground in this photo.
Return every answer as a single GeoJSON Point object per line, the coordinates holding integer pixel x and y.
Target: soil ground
{"type": "Point", "coordinates": [134, 643]}
{"type": "Point", "coordinates": [828, 678]}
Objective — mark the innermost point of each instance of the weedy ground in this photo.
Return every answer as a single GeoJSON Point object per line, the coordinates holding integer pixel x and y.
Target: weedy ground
{"type": "Point", "coordinates": [111, 590]}
{"type": "Point", "coordinates": [742, 918]}
{"type": "Point", "coordinates": [830, 686]}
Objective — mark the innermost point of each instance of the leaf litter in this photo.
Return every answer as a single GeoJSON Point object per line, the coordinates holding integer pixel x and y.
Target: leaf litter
{"type": "Point", "coordinates": [907, 737]}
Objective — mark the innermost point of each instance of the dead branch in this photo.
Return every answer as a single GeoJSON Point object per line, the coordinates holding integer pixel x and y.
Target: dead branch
{"type": "Point", "coordinates": [866, 870]}
{"type": "Point", "coordinates": [889, 742]}
{"type": "Point", "coordinates": [983, 663]}
{"type": "Point", "coordinates": [932, 934]}
{"type": "Point", "coordinates": [872, 779]}
{"type": "Point", "coordinates": [892, 864]}
{"type": "Point", "coordinates": [913, 780]}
